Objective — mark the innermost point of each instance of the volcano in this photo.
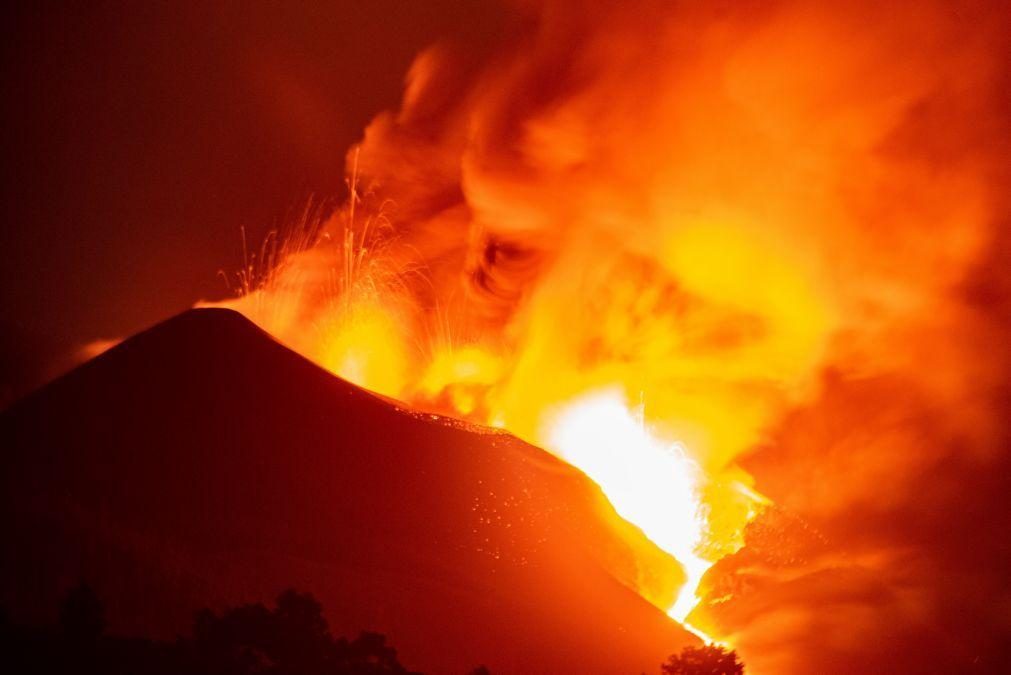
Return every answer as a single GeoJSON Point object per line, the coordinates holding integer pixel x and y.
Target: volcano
{"type": "Point", "coordinates": [201, 463]}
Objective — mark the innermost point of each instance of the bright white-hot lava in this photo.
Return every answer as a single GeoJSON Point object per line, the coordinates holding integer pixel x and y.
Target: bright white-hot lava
{"type": "Point", "coordinates": [651, 483]}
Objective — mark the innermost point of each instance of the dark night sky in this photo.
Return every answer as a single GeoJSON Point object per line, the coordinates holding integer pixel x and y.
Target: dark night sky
{"type": "Point", "coordinates": [140, 137]}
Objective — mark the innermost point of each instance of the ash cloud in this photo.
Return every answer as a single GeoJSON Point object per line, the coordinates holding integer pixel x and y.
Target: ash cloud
{"type": "Point", "coordinates": [786, 224]}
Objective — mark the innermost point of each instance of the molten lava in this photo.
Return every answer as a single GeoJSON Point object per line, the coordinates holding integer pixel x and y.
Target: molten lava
{"type": "Point", "coordinates": [650, 483]}
{"type": "Point", "coordinates": [703, 209]}
{"type": "Point", "coordinates": [689, 505]}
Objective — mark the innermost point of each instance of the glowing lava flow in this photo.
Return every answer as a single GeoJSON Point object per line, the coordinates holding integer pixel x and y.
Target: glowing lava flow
{"type": "Point", "coordinates": [653, 484]}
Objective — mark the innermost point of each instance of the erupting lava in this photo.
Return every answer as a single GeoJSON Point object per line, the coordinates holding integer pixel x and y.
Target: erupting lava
{"type": "Point", "coordinates": [691, 510]}
{"type": "Point", "coordinates": [650, 483]}
{"type": "Point", "coordinates": [705, 210]}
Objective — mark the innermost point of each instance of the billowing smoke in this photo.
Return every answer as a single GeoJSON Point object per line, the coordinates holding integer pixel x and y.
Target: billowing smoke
{"type": "Point", "coordinates": [779, 226]}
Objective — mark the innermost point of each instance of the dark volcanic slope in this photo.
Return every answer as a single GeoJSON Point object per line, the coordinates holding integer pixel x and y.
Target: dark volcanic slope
{"type": "Point", "coordinates": [201, 463]}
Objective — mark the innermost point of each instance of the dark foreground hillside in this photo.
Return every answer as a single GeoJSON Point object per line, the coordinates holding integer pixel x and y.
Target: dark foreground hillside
{"type": "Point", "coordinates": [200, 464]}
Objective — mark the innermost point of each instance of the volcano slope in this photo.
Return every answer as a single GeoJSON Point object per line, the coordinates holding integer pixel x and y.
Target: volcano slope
{"type": "Point", "coordinates": [201, 463]}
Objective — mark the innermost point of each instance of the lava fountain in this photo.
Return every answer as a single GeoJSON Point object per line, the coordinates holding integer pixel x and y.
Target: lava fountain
{"type": "Point", "coordinates": [698, 208]}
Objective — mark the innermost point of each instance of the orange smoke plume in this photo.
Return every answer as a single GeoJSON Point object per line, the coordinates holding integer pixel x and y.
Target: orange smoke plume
{"type": "Point", "coordinates": [668, 241]}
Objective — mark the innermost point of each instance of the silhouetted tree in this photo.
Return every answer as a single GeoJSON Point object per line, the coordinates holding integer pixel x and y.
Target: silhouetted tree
{"type": "Point", "coordinates": [301, 637]}
{"type": "Point", "coordinates": [232, 644]}
{"type": "Point", "coordinates": [291, 639]}
{"type": "Point", "coordinates": [707, 660]}
{"type": "Point", "coordinates": [368, 654]}
{"type": "Point", "coordinates": [82, 617]}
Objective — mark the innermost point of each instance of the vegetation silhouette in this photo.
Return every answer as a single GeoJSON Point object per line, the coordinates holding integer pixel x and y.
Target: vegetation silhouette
{"type": "Point", "coordinates": [82, 616]}
{"type": "Point", "coordinates": [707, 660]}
{"type": "Point", "coordinates": [291, 638]}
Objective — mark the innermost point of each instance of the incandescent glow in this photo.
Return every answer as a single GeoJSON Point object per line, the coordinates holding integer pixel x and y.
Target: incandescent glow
{"type": "Point", "coordinates": [650, 483]}
{"type": "Point", "coordinates": [720, 209]}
